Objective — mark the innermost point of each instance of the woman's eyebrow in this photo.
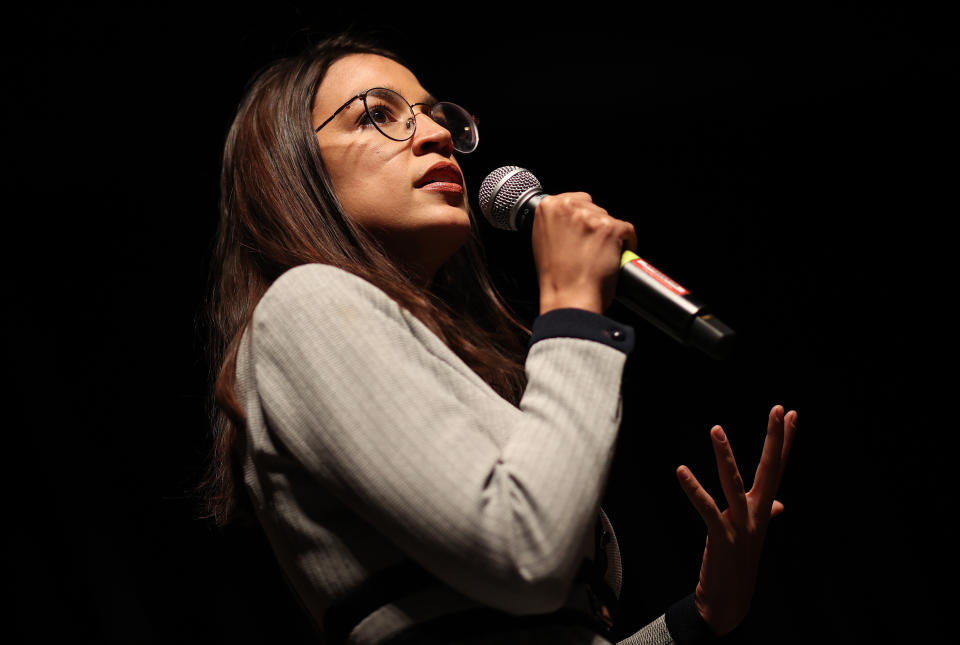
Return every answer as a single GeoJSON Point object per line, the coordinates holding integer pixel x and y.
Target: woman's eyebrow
{"type": "Point", "coordinates": [428, 98]}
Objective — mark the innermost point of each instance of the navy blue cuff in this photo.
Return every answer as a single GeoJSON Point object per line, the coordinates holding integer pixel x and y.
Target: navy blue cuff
{"type": "Point", "coordinates": [686, 625]}
{"type": "Point", "coordinates": [580, 323]}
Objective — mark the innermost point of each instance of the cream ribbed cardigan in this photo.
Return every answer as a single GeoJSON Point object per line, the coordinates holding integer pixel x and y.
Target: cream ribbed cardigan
{"type": "Point", "coordinates": [369, 442]}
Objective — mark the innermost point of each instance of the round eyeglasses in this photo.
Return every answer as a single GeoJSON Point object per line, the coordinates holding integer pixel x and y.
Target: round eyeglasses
{"type": "Point", "coordinates": [394, 118]}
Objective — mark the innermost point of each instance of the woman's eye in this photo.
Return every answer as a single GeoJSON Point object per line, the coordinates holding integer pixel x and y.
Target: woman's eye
{"type": "Point", "coordinates": [379, 114]}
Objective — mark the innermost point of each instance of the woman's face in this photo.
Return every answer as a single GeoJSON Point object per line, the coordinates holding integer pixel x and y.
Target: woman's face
{"type": "Point", "coordinates": [410, 194]}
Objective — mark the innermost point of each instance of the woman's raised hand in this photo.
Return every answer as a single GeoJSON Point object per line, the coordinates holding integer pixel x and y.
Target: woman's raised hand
{"type": "Point", "coordinates": [735, 536]}
{"type": "Point", "coordinates": [577, 247]}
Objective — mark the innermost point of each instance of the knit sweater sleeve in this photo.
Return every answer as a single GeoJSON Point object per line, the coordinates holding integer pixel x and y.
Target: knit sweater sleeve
{"type": "Point", "coordinates": [359, 392]}
{"type": "Point", "coordinates": [680, 625]}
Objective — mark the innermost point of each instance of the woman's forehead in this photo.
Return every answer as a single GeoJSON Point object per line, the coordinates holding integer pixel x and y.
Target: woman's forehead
{"type": "Point", "coordinates": [355, 73]}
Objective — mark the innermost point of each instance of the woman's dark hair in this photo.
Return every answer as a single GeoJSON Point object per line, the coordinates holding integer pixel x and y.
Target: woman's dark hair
{"type": "Point", "coordinates": [278, 210]}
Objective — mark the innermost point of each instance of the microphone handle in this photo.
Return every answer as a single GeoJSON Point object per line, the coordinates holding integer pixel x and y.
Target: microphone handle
{"type": "Point", "coordinates": [650, 293]}
{"type": "Point", "coordinates": [521, 215]}
{"type": "Point", "coordinates": [664, 303]}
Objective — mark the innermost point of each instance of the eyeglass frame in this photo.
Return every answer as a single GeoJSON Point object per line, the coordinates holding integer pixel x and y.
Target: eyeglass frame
{"type": "Point", "coordinates": [363, 95]}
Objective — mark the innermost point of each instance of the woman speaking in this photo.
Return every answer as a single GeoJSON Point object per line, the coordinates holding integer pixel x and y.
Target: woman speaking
{"type": "Point", "coordinates": [426, 469]}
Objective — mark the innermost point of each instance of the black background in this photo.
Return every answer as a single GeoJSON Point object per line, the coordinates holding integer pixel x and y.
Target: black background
{"type": "Point", "coordinates": [794, 167]}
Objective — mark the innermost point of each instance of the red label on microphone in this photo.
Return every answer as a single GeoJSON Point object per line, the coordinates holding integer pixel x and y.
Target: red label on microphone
{"type": "Point", "coordinates": [662, 278]}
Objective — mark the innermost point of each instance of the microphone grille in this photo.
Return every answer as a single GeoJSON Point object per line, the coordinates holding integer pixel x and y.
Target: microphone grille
{"type": "Point", "coordinates": [497, 196]}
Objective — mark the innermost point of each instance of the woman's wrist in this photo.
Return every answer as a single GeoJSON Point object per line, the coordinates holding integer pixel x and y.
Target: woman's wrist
{"type": "Point", "coordinates": [570, 300]}
{"type": "Point", "coordinates": [686, 624]}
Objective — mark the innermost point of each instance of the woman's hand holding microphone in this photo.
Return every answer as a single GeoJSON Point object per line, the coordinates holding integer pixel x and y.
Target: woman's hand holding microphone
{"type": "Point", "coordinates": [577, 247]}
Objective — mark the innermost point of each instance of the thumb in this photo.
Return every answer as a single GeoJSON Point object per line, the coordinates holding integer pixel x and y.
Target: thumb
{"type": "Point", "coordinates": [776, 509]}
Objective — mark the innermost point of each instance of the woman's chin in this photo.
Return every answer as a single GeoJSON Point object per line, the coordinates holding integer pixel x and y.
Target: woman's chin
{"type": "Point", "coordinates": [448, 236]}
{"type": "Point", "coordinates": [429, 246]}
{"type": "Point", "coordinates": [451, 222]}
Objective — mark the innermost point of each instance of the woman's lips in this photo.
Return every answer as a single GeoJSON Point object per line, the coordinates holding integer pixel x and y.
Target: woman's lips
{"type": "Point", "coordinates": [442, 177]}
{"type": "Point", "coordinates": [443, 187]}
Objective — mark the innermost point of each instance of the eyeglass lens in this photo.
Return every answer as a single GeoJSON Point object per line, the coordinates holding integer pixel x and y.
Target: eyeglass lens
{"type": "Point", "coordinates": [390, 113]}
{"type": "Point", "coordinates": [394, 118]}
{"type": "Point", "coordinates": [459, 123]}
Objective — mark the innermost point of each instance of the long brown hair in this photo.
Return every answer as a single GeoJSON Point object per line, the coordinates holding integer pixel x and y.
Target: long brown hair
{"type": "Point", "coordinates": [278, 210]}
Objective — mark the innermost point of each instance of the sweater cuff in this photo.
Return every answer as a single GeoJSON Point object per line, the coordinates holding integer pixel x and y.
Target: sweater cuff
{"type": "Point", "coordinates": [686, 625]}
{"type": "Point", "coordinates": [580, 323]}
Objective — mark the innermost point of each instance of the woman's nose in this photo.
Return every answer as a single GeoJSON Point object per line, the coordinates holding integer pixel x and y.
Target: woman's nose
{"type": "Point", "coordinates": [431, 136]}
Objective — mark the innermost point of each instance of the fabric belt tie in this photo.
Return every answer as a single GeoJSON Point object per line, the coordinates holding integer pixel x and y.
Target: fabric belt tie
{"type": "Point", "coordinates": [400, 580]}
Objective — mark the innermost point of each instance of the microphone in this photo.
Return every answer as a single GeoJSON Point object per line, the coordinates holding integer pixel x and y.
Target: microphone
{"type": "Point", "coordinates": [508, 199]}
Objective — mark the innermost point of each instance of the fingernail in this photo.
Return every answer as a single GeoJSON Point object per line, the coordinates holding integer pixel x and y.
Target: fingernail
{"type": "Point", "coordinates": [719, 434]}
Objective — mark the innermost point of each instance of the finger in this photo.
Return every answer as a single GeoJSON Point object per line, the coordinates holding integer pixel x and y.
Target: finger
{"type": "Point", "coordinates": [789, 430]}
{"type": "Point", "coordinates": [700, 498]}
{"type": "Point", "coordinates": [554, 204]}
{"type": "Point", "coordinates": [776, 509]}
{"type": "Point", "coordinates": [629, 236]}
{"type": "Point", "coordinates": [576, 196]}
{"type": "Point", "coordinates": [768, 472]}
{"type": "Point", "coordinates": [730, 478]}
